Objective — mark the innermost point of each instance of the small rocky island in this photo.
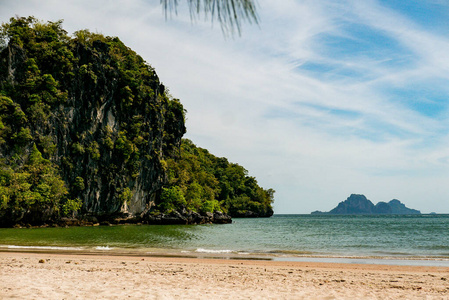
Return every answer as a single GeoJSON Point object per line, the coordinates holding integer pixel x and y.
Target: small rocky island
{"type": "Point", "coordinates": [359, 204]}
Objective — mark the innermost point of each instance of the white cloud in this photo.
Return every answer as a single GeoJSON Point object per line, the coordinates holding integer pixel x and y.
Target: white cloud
{"type": "Point", "coordinates": [315, 136]}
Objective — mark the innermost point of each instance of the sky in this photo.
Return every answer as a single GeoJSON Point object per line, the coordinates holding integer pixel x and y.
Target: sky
{"type": "Point", "coordinates": [322, 99]}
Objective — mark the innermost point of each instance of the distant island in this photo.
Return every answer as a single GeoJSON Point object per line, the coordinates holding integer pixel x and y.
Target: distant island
{"type": "Point", "coordinates": [360, 205]}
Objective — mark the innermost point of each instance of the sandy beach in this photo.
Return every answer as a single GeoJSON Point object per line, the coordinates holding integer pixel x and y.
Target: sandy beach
{"type": "Point", "coordinates": [64, 276]}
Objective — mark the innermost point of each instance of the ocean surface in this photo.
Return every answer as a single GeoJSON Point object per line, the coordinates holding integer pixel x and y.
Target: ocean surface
{"type": "Point", "coordinates": [413, 240]}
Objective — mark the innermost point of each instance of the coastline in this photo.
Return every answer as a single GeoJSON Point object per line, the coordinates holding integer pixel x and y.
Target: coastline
{"type": "Point", "coordinates": [28, 275]}
{"type": "Point", "coordinates": [420, 261]}
{"type": "Point", "coordinates": [392, 240]}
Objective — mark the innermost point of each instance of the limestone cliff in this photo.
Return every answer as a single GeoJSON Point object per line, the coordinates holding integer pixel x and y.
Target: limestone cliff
{"type": "Point", "coordinates": [92, 107]}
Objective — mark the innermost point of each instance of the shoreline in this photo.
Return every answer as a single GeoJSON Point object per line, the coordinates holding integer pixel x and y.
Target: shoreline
{"type": "Point", "coordinates": [217, 255]}
{"type": "Point", "coordinates": [423, 261]}
{"type": "Point", "coordinates": [67, 276]}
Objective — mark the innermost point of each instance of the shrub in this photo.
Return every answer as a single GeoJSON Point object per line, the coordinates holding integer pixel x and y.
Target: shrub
{"type": "Point", "coordinates": [171, 199]}
{"type": "Point", "coordinates": [71, 207]}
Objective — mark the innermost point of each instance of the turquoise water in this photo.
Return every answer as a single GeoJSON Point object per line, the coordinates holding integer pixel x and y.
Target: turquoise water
{"type": "Point", "coordinates": [279, 237]}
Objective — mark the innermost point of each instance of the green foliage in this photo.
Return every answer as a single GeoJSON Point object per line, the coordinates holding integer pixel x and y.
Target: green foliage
{"type": "Point", "coordinates": [39, 113]}
{"type": "Point", "coordinates": [125, 196]}
{"type": "Point", "coordinates": [210, 206]}
{"type": "Point", "coordinates": [94, 150]}
{"type": "Point", "coordinates": [78, 148]}
{"type": "Point", "coordinates": [44, 177]}
{"type": "Point", "coordinates": [22, 137]}
{"type": "Point", "coordinates": [108, 142]}
{"type": "Point", "coordinates": [87, 38]}
{"type": "Point", "coordinates": [31, 183]}
{"type": "Point", "coordinates": [49, 56]}
{"type": "Point", "coordinates": [13, 123]}
{"type": "Point", "coordinates": [124, 146]}
{"type": "Point", "coordinates": [47, 145]}
{"type": "Point", "coordinates": [194, 196]}
{"type": "Point", "coordinates": [171, 198]}
{"type": "Point", "coordinates": [71, 207]}
{"type": "Point", "coordinates": [87, 72]}
{"type": "Point", "coordinates": [36, 186]}
{"type": "Point", "coordinates": [210, 183]}
{"type": "Point", "coordinates": [108, 138]}
{"type": "Point", "coordinates": [78, 184]}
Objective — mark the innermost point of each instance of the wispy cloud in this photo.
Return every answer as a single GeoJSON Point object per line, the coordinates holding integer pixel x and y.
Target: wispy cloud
{"type": "Point", "coordinates": [323, 99]}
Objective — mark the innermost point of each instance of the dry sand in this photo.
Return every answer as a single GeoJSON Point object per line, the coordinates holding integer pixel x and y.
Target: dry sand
{"type": "Point", "coordinates": [64, 276]}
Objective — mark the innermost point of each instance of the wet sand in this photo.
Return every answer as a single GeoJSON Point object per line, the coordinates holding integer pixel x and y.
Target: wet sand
{"type": "Point", "coordinates": [73, 276]}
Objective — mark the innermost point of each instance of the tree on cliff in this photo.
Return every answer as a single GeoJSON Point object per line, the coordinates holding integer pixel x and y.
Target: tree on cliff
{"type": "Point", "coordinates": [230, 13]}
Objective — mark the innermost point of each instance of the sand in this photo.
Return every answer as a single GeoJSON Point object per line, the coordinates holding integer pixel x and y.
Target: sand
{"type": "Point", "coordinates": [65, 276]}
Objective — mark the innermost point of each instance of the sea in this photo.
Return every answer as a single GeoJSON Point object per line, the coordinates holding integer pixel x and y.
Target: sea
{"type": "Point", "coordinates": [363, 239]}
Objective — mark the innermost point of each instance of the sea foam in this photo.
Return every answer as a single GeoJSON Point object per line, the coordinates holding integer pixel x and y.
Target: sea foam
{"type": "Point", "coordinates": [202, 250]}
{"type": "Point", "coordinates": [104, 248]}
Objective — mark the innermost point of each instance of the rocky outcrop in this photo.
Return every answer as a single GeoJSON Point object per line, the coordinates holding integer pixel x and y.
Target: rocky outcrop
{"type": "Point", "coordinates": [354, 204]}
{"type": "Point", "coordinates": [252, 214]}
{"type": "Point", "coordinates": [188, 217]}
{"type": "Point", "coordinates": [399, 208]}
{"type": "Point", "coordinates": [173, 218]}
{"type": "Point", "coordinates": [359, 204]}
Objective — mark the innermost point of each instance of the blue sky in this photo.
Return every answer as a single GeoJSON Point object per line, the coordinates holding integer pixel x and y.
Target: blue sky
{"type": "Point", "coordinates": [321, 100]}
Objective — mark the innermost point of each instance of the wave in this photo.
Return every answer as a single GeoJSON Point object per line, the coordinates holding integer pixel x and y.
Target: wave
{"type": "Point", "coordinates": [104, 248]}
{"type": "Point", "coordinates": [274, 252]}
{"type": "Point", "coordinates": [202, 250]}
{"type": "Point", "coordinates": [291, 252]}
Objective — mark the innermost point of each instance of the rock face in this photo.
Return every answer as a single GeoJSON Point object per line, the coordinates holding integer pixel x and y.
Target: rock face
{"type": "Point", "coordinates": [400, 209]}
{"type": "Point", "coordinates": [359, 204]}
{"type": "Point", "coordinates": [354, 204]}
{"type": "Point", "coordinates": [96, 115]}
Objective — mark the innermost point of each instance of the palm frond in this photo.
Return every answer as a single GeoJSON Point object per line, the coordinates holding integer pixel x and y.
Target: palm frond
{"type": "Point", "coordinates": [229, 13]}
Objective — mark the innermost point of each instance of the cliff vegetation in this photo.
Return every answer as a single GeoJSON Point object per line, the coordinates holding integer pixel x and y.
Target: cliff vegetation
{"type": "Point", "coordinates": [203, 182]}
